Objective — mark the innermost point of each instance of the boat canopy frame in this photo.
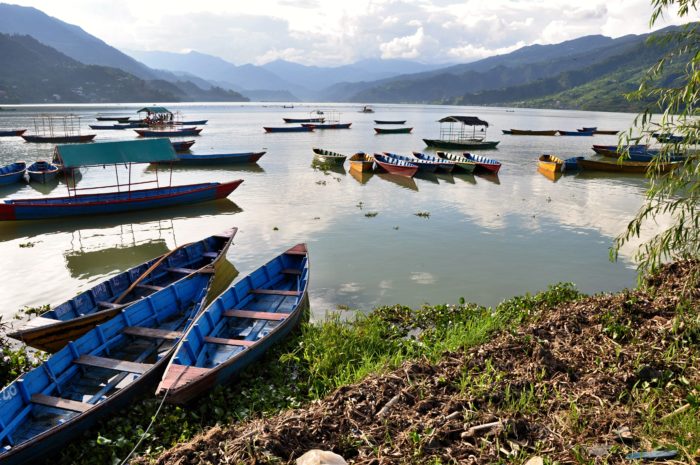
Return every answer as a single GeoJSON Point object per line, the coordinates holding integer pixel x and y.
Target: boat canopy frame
{"type": "Point", "coordinates": [126, 153]}
{"type": "Point", "coordinates": [47, 125]}
{"type": "Point", "coordinates": [462, 128]}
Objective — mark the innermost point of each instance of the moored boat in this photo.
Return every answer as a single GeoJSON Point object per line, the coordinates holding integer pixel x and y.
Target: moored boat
{"type": "Point", "coordinates": [423, 165]}
{"type": "Point", "coordinates": [119, 119]}
{"type": "Point", "coordinates": [239, 327]}
{"type": "Point", "coordinates": [605, 132]}
{"type": "Point", "coordinates": [59, 139]}
{"type": "Point", "coordinates": [182, 146]}
{"type": "Point", "coordinates": [386, 121]}
{"type": "Point", "coordinates": [217, 158]}
{"type": "Point", "coordinates": [97, 374]}
{"type": "Point", "coordinates": [361, 162]}
{"type": "Point", "coordinates": [488, 164]}
{"type": "Point", "coordinates": [193, 122]}
{"type": "Point", "coordinates": [12, 132]}
{"type": "Point", "coordinates": [395, 166]}
{"type": "Point", "coordinates": [443, 164]}
{"type": "Point", "coordinates": [527, 132]}
{"type": "Point", "coordinates": [575, 133]}
{"type": "Point", "coordinates": [12, 173]}
{"type": "Point", "coordinates": [326, 156]}
{"type": "Point", "coordinates": [507, 131]}
{"type": "Point", "coordinates": [51, 330]}
{"type": "Point", "coordinates": [550, 163]}
{"type": "Point", "coordinates": [462, 163]}
{"type": "Point", "coordinates": [288, 129]}
{"type": "Point", "coordinates": [42, 171]}
{"type": "Point", "coordinates": [108, 127]}
{"type": "Point", "coordinates": [571, 164]}
{"type": "Point", "coordinates": [624, 166]}
{"type": "Point", "coordinates": [393, 130]}
{"type": "Point", "coordinates": [304, 120]}
{"type": "Point", "coordinates": [168, 132]}
{"type": "Point", "coordinates": [327, 125]}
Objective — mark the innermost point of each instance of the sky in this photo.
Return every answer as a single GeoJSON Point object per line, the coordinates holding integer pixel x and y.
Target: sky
{"type": "Point", "coordinates": [337, 32]}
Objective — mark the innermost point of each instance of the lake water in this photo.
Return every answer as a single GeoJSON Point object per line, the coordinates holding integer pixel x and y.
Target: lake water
{"type": "Point", "coordinates": [487, 238]}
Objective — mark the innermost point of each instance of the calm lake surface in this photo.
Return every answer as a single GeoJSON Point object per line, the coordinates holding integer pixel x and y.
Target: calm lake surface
{"type": "Point", "coordinates": [487, 238]}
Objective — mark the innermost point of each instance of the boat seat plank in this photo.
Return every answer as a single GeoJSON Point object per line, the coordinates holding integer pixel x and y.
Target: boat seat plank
{"type": "Point", "coordinates": [152, 333]}
{"type": "Point", "coordinates": [113, 364]}
{"type": "Point", "coordinates": [255, 315]}
{"type": "Point", "coordinates": [58, 402]}
{"type": "Point", "coordinates": [181, 270]}
{"type": "Point", "coordinates": [210, 254]}
{"type": "Point", "coordinates": [228, 342]}
{"type": "Point", "coordinates": [181, 374]}
{"type": "Point", "coordinates": [274, 292]}
{"type": "Point", "coordinates": [150, 287]}
{"type": "Point", "coordinates": [109, 305]}
{"type": "Point", "coordinates": [291, 271]}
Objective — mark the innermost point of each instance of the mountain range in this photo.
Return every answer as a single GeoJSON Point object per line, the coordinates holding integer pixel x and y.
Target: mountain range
{"type": "Point", "coordinates": [563, 75]}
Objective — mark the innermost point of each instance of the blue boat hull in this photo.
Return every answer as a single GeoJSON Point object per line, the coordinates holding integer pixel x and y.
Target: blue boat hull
{"type": "Point", "coordinates": [100, 204]}
{"type": "Point", "coordinates": [218, 158]}
{"type": "Point", "coordinates": [288, 129]}
{"type": "Point", "coordinates": [12, 173]}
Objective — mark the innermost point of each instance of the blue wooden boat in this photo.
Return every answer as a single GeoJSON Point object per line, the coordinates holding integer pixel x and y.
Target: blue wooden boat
{"type": "Point", "coordinates": [443, 164]}
{"type": "Point", "coordinates": [239, 327]}
{"type": "Point", "coordinates": [327, 125]}
{"type": "Point", "coordinates": [196, 122]}
{"type": "Point", "coordinates": [119, 119]}
{"type": "Point", "coordinates": [384, 121]}
{"type": "Point", "coordinates": [52, 330]}
{"type": "Point", "coordinates": [182, 146]}
{"type": "Point", "coordinates": [571, 164]}
{"type": "Point", "coordinates": [602, 149]}
{"type": "Point", "coordinates": [288, 129]}
{"type": "Point", "coordinates": [575, 133]}
{"type": "Point", "coordinates": [304, 120]}
{"type": "Point", "coordinates": [395, 166]}
{"type": "Point", "coordinates": [108, 127]}
{"type": "Point", "coordinates": [59, 139]}
{"type": "Point", "coordinates": [488, 164]}
{"type": "Point", "coordinates": [218, 158]}
{"type": "Point", "coordinates": [423, 165]}
{"type": "Point", "coordinates": [168, 132]}
{"type": "Point", "coordinates": [42, 171]}
{"type": "Point", "coordinates": [12, 132]}
{"type": "Point", "coordinates": [12, 173]}
{"type": "Point", "coordinates": [97, 374]}
{"type": "Point", "coordinates": [588, 129]}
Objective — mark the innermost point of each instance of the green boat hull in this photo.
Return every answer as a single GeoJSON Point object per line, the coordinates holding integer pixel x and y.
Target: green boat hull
{"type": "Point", "coordinates": [446, 144]}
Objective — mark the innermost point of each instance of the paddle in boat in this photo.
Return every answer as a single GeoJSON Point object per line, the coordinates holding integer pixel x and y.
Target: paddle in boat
{"type": "Point", "coordinates": [12, 132]}
{"type": "Point", "coordinates": [218, 158]}
{"type": "Point", "coordinates": [42, 171]}
{"type": "Point", "coordinates": [52, 330]}
{"type": "Point", "coordinates": [102, 371]}
{"type": "Point", "coordinates": [527, 132]}
{"type": "Point", "coordinates": [386, 121]}
{"type": "Point", "coordinates": [455, 133]}
{"type": "Point", "coordinates": [168, 132]}
{"type": "Point", "coordinates": [426, 166]}
{"type": "Point", "coordinates": [393, 130]}
{"type": "Point", "coordinates": [288, 129]}
{"type": "Point", "coordinates": [239, 327]}
{"type": "Point", "coordinates": [550, 163]}
{"type": "Point", "coordinates": [361, 162]}
{"type": "Point", "coordinates": [624, 166]}
{"type": "Point", "coordinates": [326, 156]}
{"type": "Point", "coordinates": [126, 153]}
{"type": "Point", "coordinates": [461, 163]}
{"type": "Point", "coordinates": [12, 173]}
{"type": "Point", "coordinates": [443, 164]}
{"type": "Point", "coordinates": [487, 164]}
{"type": "Point", "coordinates": [395, 166]}
{"type": "Point", "coordinates": [182, 146]}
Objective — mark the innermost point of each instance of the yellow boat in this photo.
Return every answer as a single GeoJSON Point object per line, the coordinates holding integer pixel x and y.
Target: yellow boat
{"type": "Point", "coordinates": [551, 163]}
{"type": "Point", "coordinates": [551, 175]}
{"type": "Point", "coordinates": [361, 162]}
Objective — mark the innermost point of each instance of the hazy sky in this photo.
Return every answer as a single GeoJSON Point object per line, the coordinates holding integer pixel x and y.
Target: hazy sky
{"type": "Point", "coordinates": [333, 32]}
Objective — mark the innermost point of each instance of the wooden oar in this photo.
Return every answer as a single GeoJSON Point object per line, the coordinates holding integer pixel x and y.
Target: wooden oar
{"type": "Point", "coordinates": [147, 272]}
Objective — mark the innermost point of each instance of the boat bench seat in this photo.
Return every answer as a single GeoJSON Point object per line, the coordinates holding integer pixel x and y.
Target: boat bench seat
{"type": "Point", "coordinates": [255, 315]}
{"type": "Point", "coordinates": [181, 270]}
{"type": "Point", "coordinates": [150, 287]}
{"type": "Point", "coordinates": [228, 342]}
{"type": "Point", "coordinates": [59, 402]}
{"type": "Point", "coordinates": [109, 305]}
{"type": "Point", "coordinates": [210, 254]}
{"type": "Point", "coordinates": [152, 333]}
{"type": "Point", "coordinates": [113, 364]}
{"type": "Point", "coordinates": [274, 292]}
{"type": "Point", "coordinates": [181, 374]}
{"type": "Point", "coordinates": [291, 271]}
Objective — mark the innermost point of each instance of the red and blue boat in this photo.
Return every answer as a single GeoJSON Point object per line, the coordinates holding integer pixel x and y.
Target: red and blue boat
{"type": "Point", "coordinates": [423, 165]}
{"type": "Point", "coordinates": [395, 166]}
{"type": "Point", "coordinates": [12, 173]}
{"type": "Point", "coordinates": [486, 164]}
{"type": "Point", "coordinates": [42, 171]}
{"type": "Point", "coordinates": [182, 146]}
{"type": "Point", "coordinates": [12, 133]}
{"type": "Point", "coordinates": [443, 164]}
{"type": "Point", "coordinates": [125, 199]}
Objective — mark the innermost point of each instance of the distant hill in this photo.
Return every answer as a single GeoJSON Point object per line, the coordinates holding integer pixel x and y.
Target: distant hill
{"type": "Point", "coordinates": [35, 73]}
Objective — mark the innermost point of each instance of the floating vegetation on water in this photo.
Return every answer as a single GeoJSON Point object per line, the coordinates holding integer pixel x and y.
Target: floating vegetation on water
{"type": "Point", "coordinates": [371, 214]}
{"type": "Point", "coordinates": [423, 214]}
{"type": "Point", "coordinates": [360, 205]}
{"type": "Point", "coordinates": [317, 217]}
{"type": "Point", "coordinates": [26, 245]}
{"type": "Point", "coordinates": [275, 228]}
{"type": "Point", "coordinates": [342, 307]}
{"type": "Point", "coordinates": [32, 311]}
{"type": "Point", "coordinates": [321, 183]}
{"type": "Point", "coordinates": [396, 228]}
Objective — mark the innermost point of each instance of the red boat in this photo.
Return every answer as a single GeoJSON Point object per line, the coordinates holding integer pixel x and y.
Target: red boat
{"type": "Point", "coordinates": [395, 166]}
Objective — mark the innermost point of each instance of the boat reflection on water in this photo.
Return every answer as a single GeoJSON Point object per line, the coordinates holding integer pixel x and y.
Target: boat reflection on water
{"type": "Point", "coordinates": [361, 176]}
{"type": "Point", "coordinates": [328, 167]}
{"type": "Point", "coordinates": [445, 177]}
{"type": "Point", "coordinates": [84, 264]}
{"type": "Point", "coordinates": [402, 181]}
{"type": "Point", "coordinates": [45, 188]}
{"type": "Point", "coordinates": [466, 177]}
{"type": "Point", "coordinates": [425, 176]}
{"type": "Point", "coordinates": [551, 175]}
{"type": "Point", "coordinates": [490, 177]}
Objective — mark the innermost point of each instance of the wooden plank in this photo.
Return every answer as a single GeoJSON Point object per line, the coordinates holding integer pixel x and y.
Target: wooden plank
{"type": "Point", "coordinates": [113, 364]}
{"type": "Point", "coordinates": [292, 271]}
{"type": "Point", "coordinates": [274, 292]}
{"type": "Point", "coordinates": [181, 270]}
{"type": "Point", "coordinates": [178, 375]}
{"type": "Point", "coordinates": [58, 402]}
{"type": "Point", "coordinates": [150, 287]}
{"type": "Point", "coordinates": [228, 342]}
{"type": "Point", "coordinates": [210, 254]}
{"type": "Point", "coordinates": [152, 333]}
{"type": "Point", "coordinates": [109, 305]}
{"type": "Point", "coordinates": [255, 315]}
